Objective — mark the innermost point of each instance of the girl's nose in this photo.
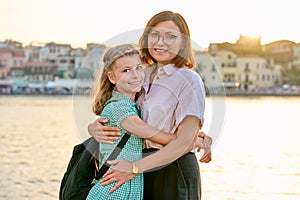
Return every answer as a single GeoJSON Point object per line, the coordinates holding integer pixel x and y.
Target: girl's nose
{"type": "Point", "coordinates": [134, 73]}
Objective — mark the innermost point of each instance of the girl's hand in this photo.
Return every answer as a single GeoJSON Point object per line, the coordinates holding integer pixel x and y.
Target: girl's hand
{"type": "Point", "coordinates": [120, 174]}
{"type": "Point", "coordinates": [101, 133]}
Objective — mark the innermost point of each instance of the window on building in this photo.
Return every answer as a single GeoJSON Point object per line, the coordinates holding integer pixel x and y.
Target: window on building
{"type": "Point", "coordinates": [213, 68]}
{"type": "Point", "coordinates": [247, 66]}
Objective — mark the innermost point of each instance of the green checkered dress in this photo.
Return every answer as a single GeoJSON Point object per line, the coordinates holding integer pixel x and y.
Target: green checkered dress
{"type": "Point", "coordinates": [116, 110]}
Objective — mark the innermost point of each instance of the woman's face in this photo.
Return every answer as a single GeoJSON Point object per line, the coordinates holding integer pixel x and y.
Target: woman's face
{"type": "Point", "coordinates": [164, 42]}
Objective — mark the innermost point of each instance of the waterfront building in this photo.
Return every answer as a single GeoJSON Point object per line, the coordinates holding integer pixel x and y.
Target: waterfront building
{"type": "Point", "coordinates": [228, 65]}
{"type": "Point", "coordinates": [255, 73]}
{"type": "Point", "coordinates": [40, 71]}
{"type": "Point", "coordinates": [209, 68]}
{"type": "Point", "coordinates": [10, 59]}
{"type": "Point", "coordinates": [59, 54]}
{"type": "Point", "coordinates": [32, 53]}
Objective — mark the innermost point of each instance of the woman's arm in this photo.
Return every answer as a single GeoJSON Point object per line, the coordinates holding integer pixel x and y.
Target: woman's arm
{"type": "Point", "coordinates": [103, 134]}
{"type": "Point", "coordinates": [186, 132]}
{"type": "Point", "coordinates": [137, 126]}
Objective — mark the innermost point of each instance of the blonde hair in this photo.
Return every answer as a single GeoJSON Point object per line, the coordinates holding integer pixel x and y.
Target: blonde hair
{"type": "Point", "coordinates": [103, 90]}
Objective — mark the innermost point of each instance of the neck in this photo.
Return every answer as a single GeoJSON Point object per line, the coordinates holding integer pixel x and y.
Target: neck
{"type": "Point", "coordinates": [129, 95]}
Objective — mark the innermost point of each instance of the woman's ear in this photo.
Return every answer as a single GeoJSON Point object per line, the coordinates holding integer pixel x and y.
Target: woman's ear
{"type": "Point", "coordinates": [111, 77]}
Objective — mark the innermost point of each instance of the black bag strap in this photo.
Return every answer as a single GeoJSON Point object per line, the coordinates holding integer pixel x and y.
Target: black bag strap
{"type": "Point", "coordinates": [112, 156]}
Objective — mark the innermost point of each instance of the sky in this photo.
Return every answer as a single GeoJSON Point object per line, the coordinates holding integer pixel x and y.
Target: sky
{"type": "Point", "coordinates": [78, 22]}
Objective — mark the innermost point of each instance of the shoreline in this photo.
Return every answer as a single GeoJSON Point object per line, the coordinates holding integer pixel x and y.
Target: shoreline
{"type": "Point", "coordinates": [207, 95]}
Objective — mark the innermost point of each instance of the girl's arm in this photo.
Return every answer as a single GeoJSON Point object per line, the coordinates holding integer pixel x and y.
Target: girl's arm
{"type": "Point", "coordinates": [137, 126]}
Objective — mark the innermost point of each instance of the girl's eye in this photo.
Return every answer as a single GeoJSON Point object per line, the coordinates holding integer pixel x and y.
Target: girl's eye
{"type": "Point", "coordinates": [126, 70]}
{"type": "Point", "coordinates": [139, 67]}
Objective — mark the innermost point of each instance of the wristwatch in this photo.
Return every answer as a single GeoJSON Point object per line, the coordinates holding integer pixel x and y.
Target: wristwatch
{"type": "Point", "coordinates": [135, 169]}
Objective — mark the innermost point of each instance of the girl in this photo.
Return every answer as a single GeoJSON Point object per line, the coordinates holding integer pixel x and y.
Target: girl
{"type": "Point", "coordinates": [121, 79]}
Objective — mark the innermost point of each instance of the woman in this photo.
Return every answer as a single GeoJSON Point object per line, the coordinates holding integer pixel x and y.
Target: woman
{"type": "Point", "coordinates": [174, 102]}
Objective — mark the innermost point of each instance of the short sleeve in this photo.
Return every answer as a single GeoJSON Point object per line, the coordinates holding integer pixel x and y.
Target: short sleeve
{"type": "Point", "coordinates": [191, 99]}
{"type": "Point", "coordinates": [123, 109]}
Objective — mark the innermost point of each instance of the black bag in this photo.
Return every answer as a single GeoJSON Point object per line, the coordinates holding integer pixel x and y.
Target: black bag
{"type": "Point", "coordinates": [83, 170]}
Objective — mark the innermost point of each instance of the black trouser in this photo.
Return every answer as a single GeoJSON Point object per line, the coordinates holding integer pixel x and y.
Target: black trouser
{"type": "Point", "coordinates": [179, 180]}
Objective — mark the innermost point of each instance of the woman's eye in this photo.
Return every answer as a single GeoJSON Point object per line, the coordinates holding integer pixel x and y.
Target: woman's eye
{"type": "Point", "coordinates": [170, 36]}
{"type": "Point", "coordinates": [154, 35]}
{"type": "Point", "coordinates": [126, 70]}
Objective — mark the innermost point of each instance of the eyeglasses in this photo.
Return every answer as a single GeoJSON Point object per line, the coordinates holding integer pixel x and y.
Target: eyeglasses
{"type": "Point", "coordinates": [168, 38]}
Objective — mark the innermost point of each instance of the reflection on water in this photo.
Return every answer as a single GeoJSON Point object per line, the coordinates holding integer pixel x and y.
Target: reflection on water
{"type": "Point", "coordinates": [257, 156]}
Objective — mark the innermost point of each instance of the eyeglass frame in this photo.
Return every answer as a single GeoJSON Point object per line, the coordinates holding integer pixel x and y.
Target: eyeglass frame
{"type": "Point", "coordinates": [173, 36]}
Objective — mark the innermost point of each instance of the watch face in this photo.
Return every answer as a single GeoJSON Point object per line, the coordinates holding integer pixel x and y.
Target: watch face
{"type": "Point", "coordinates": [135, 170]}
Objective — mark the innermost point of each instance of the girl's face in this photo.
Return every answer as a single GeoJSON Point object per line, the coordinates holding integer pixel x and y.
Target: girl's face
{"type": "Point", "coordinates": [127, 75]}
{"type": "Point", "coordinates": [164, 42]}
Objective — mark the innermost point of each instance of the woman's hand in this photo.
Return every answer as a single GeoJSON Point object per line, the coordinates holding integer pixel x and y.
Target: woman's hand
{"type": "Point", "coordinates": [204, 142]}
{"type": "Point", "coordinates": [120, 174]}
{"type": "Point", "coordinates": [101, 133]}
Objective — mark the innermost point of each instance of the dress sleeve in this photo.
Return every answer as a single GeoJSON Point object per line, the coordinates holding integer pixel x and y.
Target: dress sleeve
{"type": "Point", "coordinates": [123, 109]}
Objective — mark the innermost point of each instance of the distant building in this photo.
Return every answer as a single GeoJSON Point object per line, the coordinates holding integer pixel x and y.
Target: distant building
{"type": "Point", "coordinates": [11, 44]}
{"type": "Point", "coordinates": [209, 68]}
{"type": "Point", "coordinates": [10, 59]}
{"type": "Point", "coordinates": [256, 73]}
{"type": "Point", "coordinates": [40, 71]}
{"type": "Point", "coordinates": [91, 63]}
{"type": "Point", "coordinates": [228, 65]}
{"type": "Point", "coordinates": [32, 53]}
{"type": "Point", "coordinates": [59, 54]}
